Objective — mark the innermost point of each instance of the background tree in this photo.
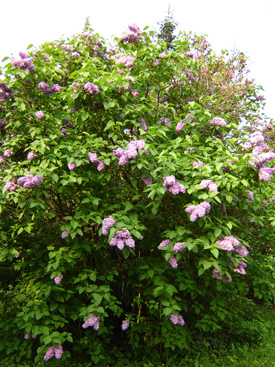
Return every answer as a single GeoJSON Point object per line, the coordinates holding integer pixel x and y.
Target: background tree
{"type": "Point", "coordinates": [167, 28]}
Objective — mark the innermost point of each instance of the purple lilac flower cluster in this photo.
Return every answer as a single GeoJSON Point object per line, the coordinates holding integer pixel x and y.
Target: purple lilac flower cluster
{"type": "Point", "coordinates": [7, 153]}
{"type": "Point", "coordinates": [178, 246]}
{"type": "Point", "coordinates": [209, 184]}
{"type": "Point", "coordinates": [25, 63]}
{"type": "Point", "coordinates": [164, 243]}
{"type": "Point", "coordinates": [121, 239]}
{"type": "Point", "coordinates": [93, 159]}
{"type": "Point", "coordinates": [31, 155]}
{"type": "Point", "coordinates": [162, 55]}
{"type": "Point", "coordinates": [147, 180]}
{"type": "Point", "coordinates": [39, 114]}
{"type": "Point", "coordinates": [217, 121]}
{"type": "Point", "coordinates": [199, 163]}
{"type": "Point", "coordinates": [58, 279]}
{"type": "Point", "coordinates": [173, 262]}
{"type": "Point", "coordinates": [91, 88]}
{"type": "Point", "coordinates": [230, 243]}
{"type": "Point", "coordinates": [216, 274]}
{"type": "Point", "coordinates": [46, 89]}
{"type": "Point", "coordinates": [53, 351]}
{"type": "Point", "coordinates": [28, 336]}
{"type": "Point", "coordinates": [172, 186]}
{"type": "Point", "coordinates": [92, 321]}
{"type": "Point", "coordinates": [125, 324]}
{"type": "Point", "coordinates": [250, 195]}
{"type": "Point", "coordinates": [124, 156]}
{"type": "Point", "coordinates": [240, 268]}
{"type": "Point", "coordinates": [142, 124]}
{"type": "Point", "coordinates": [2, 124]}
{"type": "Point", "coordinates": [65, 234]}
{"type": "Point", "coordinates": [132, 36]}
{"type": "Point", "coordinates": [107, 224]}
{"type": "Point", "coordinates": [71, 166]}
{"type": "Point", "coordinates": [5, 92]}
{"type": "Point", "coordinates": [87, 35]}
{"type": "Point", "coordinates": [198, 211]}
{"type": "Point", "coordinates": [126, 60]}
{"type": "Point", "coordinates": [180, 125]}
{"type": "Point", "coordinates": [30, 181]}
{"type": "Point", "coordinates": [164, 120]}
{"type": "Point", "coordinates": [11, 185]}
{"type": "Point", "coordinates": [177, 320]}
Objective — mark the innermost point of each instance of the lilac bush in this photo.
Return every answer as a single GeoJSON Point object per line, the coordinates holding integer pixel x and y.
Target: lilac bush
{"type": "Point", "coordinates": [137, 184]}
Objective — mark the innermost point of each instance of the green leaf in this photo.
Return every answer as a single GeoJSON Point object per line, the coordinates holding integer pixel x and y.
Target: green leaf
{"type": "Point", "coordinates": [215, 252]}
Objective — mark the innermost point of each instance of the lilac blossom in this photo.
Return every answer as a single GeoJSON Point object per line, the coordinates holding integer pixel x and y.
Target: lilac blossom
{"type": "Point", "coordinates": [92, 321]}
{"type": "Point", "coordinates": [240, 268]}
{"type": "Point", "coordinates": [31, 155]}
{"type": "Point", "coordinates": [53, 351]}
{"type": "Point", "coordinates": [172, 186]}
{"type": "Point", "coordinates": [27, 336]}
{"type": "Point", "coordinates": [157, 62]}
{"type": "Point", "coordinates": [209, 184]}
{"type": "Point", "coordinates": [67, 47]}
{"type": "Point", "coordinates": [124, 156]}
{"type": "Point", "coordinates": [91, 88]}
{"type": "Point", "coordinates": [216, 274]}
{"type": "Point", "coordinates": [228, 243]}
{"type": "Point", "coordinates": [177, 320]}
{"type": "Point", "coordinates": [126, 60]}
{"type": "Point", "coordinates": [173, 262]}
{"type": "Point", "coordinates": [39, 114]}
{"type": "Point", "coordinates": [11, 185]}
{"type": "Point", "coordinates": [25, 63]}
{"type": "Point", "coordinates": [65, 234]}
{"type": "Point", "coordinates": [93, 159]}
{"type": "Point", "coordinates": [162, 55]}
{"type": "Point", "coordinates": [217, 121]}
{"type": "Point", "coordinates": [147, 180]}
{"type": "Point", "coordinates": [132, 36]}
{"type": "Point", "coordinates": [180, 125]}
{"type": "Point", "coordinates": [165, 120]}
{"type": "Point", "coordinates": [250, 195]}
{"type": "Point", "coordinates": [198, 211]}
{"type": "Point", "coordinates": [178, 246]}
{"type": "Point", "coordinates": [106, 224]}
{"type": "Point", "coordinates": [58, 351]}
{"type": "Point", "coordinates": [46, 89]}
{"type": "Point", "coordinates": [75, 55]}
{"type": "Point", "coordinates": [164, 243]}
{"type": "Point", "coordinates": [121, 239]}
{"type": "Point", "coordinates": [71, 166]}
{"type": "Point", "coordinates": [199, 163]}
{"type": "Point", "coordinates": [143, 124]}
{"type": "Point", "coordinates": [256, 138]}
{"type": "Point", "coordinates": [5, 92]}
{"type": "Point", "coordinates": [58, 279]}
{"type": "Point", "coordinates": [241, 250]}
{"type": "Point", "coordinates": [30, 181]}
{"type": "Point", "coordinates": [125, 325]}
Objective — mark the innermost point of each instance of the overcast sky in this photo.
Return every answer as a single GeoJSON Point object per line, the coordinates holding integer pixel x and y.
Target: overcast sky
{"type": "Point", "coordinates": [247, 25]}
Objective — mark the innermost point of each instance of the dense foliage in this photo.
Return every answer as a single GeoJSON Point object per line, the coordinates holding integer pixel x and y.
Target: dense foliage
{"type": "Point", "coordinates": [137, 205]}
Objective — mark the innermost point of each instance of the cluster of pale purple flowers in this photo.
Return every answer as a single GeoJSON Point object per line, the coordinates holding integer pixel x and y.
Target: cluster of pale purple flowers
{"type": "Point", "coordinates": [2, 124]}
{"type": "Point", "coordinates": [126, 60]}
{"type": "Point", "coordinates": [181, 124]}
{"type": "Point", "coordinates": [209, 185]}
{"type": "Point", "coordinates": [164, 120]}
{"type": "Point", "coordinates": [31, 155]}
{"type": "Point", "coordinates": [91, 88]}
{"type": "Point", "coordinates": [107, 224]}
{"type": "Point", "coordinates": [65, 234]}
{"type": "Point", "coordinates": [11, 185]}
{"type": "Point", "coordinates": [87, 35]}
{"type": "Point", "coordinates": [147, 180]}
{"type": "Point", "coordinates": [68, 48]}
{"type": "Point", "coordinates": [71, 166]}
{"type": "Point", "coordinates": [30, 181]}
{"type": "Point", "coordinates": [177, 248]}
{"type": "Point", "coordinates": [162, 55]}
{"type": "Point", "coordinates": [132, 36]}
{"type": "Point", "coordinates": [124, 156]}
{"type": "Point", "coordinates": [28, 336]}
{"type": "Point", "coordinates": [121, 239]}
{"type": "Point", "coordinates": [177, 320]}
{"type": "Point", "coordinates": [7, 153]}
{"type": "Point", "coordinates": [5, 92]}
{"type": "Point", "coordinates": [125, 324]}
{"type": "Point", "coordinates": [46, 89]}
{"type": "Point", "coordinates": [39, 114]}
{"type": "Point", "coordinates": [25, 63]}
{"type": "Point", "coordinates": [164, 243]}
{"type": "Point", "coordinates": [240, 268]}
{"type": "Point", "coordinates": [92, 321]}
{"type": "Point", "coordinates": [199, 163]}
{"type": "Point", "coordinates": [230, 243]}
{"type": "Point", "coordinates": [54, 351]}
{"type": "Point", "coordinates": [261, 159]}
{"type": "Point", "coordinates": [250, 196]}
{"type": "Point", "coordinates": [58, 279]}
{"type": "Point", "coordinates": [143, 124]}
{"type": "Point", "coordinates": [172, 185]}
{"type": "Point", "coordinates": [93, 159]}
{"type": "Point", "coordinates": [198, 211]}
{"type": "Point", "coordinates": [217, 121]}
{"type": "Point", "coordinates": [216, 274]}
{"type": "Point", "coordinates": [157, 62]}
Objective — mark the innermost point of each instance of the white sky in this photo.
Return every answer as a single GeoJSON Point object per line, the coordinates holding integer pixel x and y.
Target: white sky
{"type": "Point", "coordinates": [247, 25]}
